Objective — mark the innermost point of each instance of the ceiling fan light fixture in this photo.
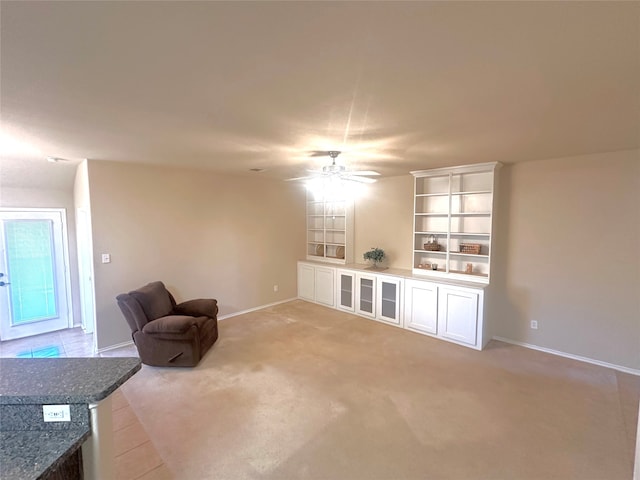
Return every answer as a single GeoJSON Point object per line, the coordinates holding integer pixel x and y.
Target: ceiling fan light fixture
{"type": "Point", "coordinates": [334, 173]}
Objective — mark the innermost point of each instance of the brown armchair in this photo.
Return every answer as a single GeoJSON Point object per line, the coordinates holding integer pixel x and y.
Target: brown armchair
{"type": "Point", "coordinates": [169, 334]}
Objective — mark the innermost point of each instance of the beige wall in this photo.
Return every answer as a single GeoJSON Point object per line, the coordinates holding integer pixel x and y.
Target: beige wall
{"type": "Point", "coordinates": [568, 256]}
{"type": "Point", "coordinates": [384, 219]}
{"type": "Point", "coordinates": [566, 252]}
{"type": "Point", "coordinates": [205, 235]}
{"type": "Point", "coordinates": [48, 198]}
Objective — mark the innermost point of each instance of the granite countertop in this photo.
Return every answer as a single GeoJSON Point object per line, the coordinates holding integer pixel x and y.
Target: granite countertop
{"type": "Point", "coordinates": [26, 455]}
{"type": "Point", "coordinates": [62, 380]}
{"type": "Point", "coordinates": [30, 447]}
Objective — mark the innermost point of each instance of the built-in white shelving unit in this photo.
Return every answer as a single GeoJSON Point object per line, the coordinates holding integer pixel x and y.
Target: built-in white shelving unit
{"type": "Point", "coordinates": [329, 229]}
{"type": "Point", "coordinates": [453, 221]}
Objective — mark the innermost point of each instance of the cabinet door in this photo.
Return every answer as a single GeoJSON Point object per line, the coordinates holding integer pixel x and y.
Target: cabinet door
{"type": "Point", "coordinates": [421, 306]}
{"type": "Point", "coordinates": [366, 295]}
{"type": "Point", "coordinates": [388, 299]}
{"type": "Point", "coordinates": [344, 292]}
{"type": "Point", "coordinates": [306, 282]}
{"type": "Point", "coordinates": [458, 315]}
{"type": "Point", "coordinates": [325, 285]}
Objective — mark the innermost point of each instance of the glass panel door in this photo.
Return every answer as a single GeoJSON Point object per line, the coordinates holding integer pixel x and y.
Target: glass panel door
{"type": "Point", "coordinates": [33, 285]}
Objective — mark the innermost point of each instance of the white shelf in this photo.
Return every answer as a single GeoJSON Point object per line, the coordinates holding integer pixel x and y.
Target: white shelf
{"type": "Point", "coordinates": [329, 230]}
{"type": "Point", "coordinates": [469, 234]}
{"type": "Point", "coordinates": [467, 205]}
{"type": "Point", "coordinates": [460, 254]}
{"type": "Point", "coordinates": [471, 214]}
{"type": "Point", "coordinates": [476, 192]}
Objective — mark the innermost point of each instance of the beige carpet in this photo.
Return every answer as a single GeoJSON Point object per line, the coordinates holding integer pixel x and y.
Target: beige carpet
{"type": "Point", "coordinates": [300, 391]}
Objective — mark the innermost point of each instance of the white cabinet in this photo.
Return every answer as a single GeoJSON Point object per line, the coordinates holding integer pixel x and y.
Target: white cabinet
{"type": "Point", "coordinates": [453, 221]}
{"type": "Point", "coordinates": [388, 299]}
{"type": "Point", "coordinates": [325, 285]}
{"type": "Point", "coordinates": [366, 294]}
{"type": "Point", "coordinates": [316, 283]}
{"type": "Point", "coordinates": [345, 292]}
{"type": "Point", "coordinates": [449, 312]}
{"type": "Point", "coordinates": [378, 296]}
{"type": "Point", "coordinates": [421, 306]}
{"type": "Point", "coordinates": [458, 317]}
{"type": "Point", "coordinates": [452, 311]}
{"type": "Point", "coordinates": [306, 282]}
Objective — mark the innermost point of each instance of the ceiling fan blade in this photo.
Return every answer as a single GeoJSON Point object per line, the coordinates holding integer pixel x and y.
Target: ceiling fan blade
{"type": "Point", "coordinates": [319, 153]}
{"type": "Point", "coordinates": [363, 172]}
{"type": "Point", "coordinates": [299, 178]}
{"type": "Point", "coordinates": [359, 179]}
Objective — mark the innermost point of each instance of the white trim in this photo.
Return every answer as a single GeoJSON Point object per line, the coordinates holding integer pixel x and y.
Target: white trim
{"type": "Point", "coordinates": [613, 366]}
{"type": "Point", "coordinates": [222, 317]}
{"type": "Point", "coordinates": [242, 312]}
{"type": "Point", "coordinates": [113, 347]}
{"type": "Point", "coordinates": [67, 265]}
{"type": "Point", "coordinates": [66, 260]}
{"type": "Point", "coordinates": [636, 469]}
{"type": "Point", "coordinates": [473, 168]}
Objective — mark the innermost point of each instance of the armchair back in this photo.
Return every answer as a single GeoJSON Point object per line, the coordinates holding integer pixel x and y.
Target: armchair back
{"type": "Point", "coordinates": [145, 304]}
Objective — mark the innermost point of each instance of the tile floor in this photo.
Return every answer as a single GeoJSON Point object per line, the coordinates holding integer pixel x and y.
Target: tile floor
{"type": "Point", "coordinates": [135, 456]}
{"type": "Point", "coordinates": [72, 342]}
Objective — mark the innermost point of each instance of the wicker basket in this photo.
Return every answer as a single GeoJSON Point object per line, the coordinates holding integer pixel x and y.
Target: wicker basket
{"type": "Point", "coordinates": [472, 248]}
{"type": "Point", "coordinates": [432, 246]}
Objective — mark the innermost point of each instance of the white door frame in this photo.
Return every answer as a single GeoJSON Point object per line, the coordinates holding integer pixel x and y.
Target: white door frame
{"type": "Point", "coordinates": [65, 253]}
{"type": "Point", "coordinates": [84, 244]}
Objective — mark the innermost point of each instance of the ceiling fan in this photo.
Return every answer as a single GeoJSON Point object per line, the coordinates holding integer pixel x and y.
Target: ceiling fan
{"type": "Point", "coordinates": [339, 172]}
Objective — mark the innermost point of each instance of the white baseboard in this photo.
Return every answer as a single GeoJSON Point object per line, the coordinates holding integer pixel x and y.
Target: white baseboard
{"type": "Point", "coordinates": [242, 312]}
{"type": "Point", "coordinates": [620, 368]}
{"type": "Point", "coordinates": [113, 347]}
{"type": "Point", "coordinates": [222, 317]}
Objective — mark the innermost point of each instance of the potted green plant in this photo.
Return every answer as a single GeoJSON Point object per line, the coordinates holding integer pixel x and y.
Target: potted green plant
{"type": "Point", "coordinates": [375, 255]}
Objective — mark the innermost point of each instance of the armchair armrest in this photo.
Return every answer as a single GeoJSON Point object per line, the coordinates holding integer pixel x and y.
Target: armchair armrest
{"type": "Point", "coordinates": [200, 307]}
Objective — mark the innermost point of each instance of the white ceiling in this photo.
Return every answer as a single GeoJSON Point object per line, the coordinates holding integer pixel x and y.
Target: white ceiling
{"type": "Point", "coordinates": [231, 86]}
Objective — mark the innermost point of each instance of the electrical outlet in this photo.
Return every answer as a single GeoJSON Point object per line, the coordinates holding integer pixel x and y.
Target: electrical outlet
{"type": "Point", "coordinates": [534, 324]}
{"type": "Point", "coordinates": [56, 413]}
{"type": "Point", "coordinates": [106, 258]}
{"type": "Point", "coordinates": [275, 288]}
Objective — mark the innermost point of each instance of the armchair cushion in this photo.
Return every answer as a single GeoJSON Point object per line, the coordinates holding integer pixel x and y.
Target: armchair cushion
{"type": "Point", "coordinates": [154, 300]}
{"type": "Point", "coordinates": [173, 324]}
{"type": "Point", "coordinates": [195, 308]}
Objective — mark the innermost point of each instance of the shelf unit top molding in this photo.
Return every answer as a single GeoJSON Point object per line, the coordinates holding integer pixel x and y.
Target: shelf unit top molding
{"type": "Point", "coordinates": [476, 167]}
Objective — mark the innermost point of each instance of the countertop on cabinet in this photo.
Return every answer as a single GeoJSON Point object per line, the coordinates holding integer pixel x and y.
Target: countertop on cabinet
{"type": "Point", "coordinates": [399, 272]}
{"type": "Point", "coordinates": [62, 380]}
{"type": "Point", "coordinates": [31, 448]}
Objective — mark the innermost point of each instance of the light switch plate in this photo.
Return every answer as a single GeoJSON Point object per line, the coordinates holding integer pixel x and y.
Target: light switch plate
{"type": "Point", "coordinates": [56, 413]}
{"type": "Point", "coordinates": [106, 258]}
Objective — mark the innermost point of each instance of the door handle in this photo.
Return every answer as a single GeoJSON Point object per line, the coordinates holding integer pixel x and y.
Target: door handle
{"type": "Point", "coordinates": [2, 284]}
